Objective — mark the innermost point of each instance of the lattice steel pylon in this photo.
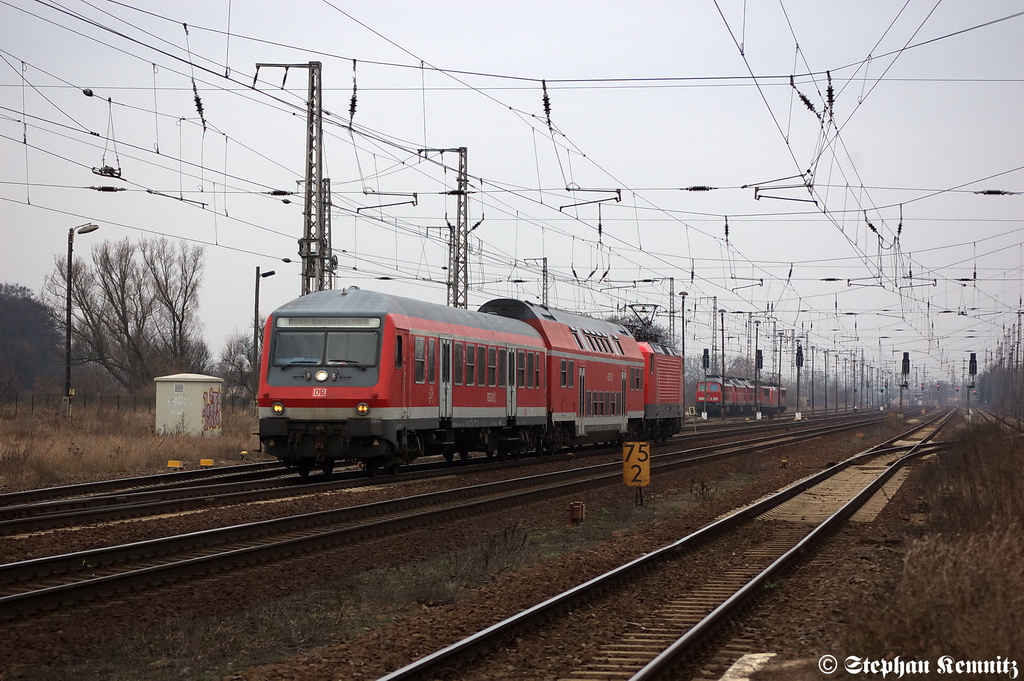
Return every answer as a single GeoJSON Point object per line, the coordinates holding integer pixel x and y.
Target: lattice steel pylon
{"type": "Point", "coordinates": [458, 266]}
{"type": "Point", "coordinates": [315, 244]}
{"type": "Point", "coordinates": [458, 234]}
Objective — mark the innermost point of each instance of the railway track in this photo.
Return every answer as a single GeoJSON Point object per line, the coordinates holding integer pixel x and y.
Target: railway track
{"type": "Point", "coordinates": [56, 581]}
{"type": "Point", "coordinates": [106, 501]}
{"type": "Point", "coordinates": [669, 632]}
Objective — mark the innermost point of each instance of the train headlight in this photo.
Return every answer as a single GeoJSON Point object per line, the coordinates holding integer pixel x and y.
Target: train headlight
{"type": "Point", "coordinates": [362, 409]}
{"type": "Point", "coordinates": [277, 408]}
{"type": "Point", "coordinates": [321, 375]}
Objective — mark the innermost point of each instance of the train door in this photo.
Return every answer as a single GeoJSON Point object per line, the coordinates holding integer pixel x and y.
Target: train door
{"type": "Point", "coordinates": [403, 364]}
{"type": "Point", "coordinates": [581, 404]}
{"type": "Point", "coordinates": [510, 385]}
{"type": "Point", "coordinates": [623, 412]}
{"type": "Point", "coordinates": [445, 386]}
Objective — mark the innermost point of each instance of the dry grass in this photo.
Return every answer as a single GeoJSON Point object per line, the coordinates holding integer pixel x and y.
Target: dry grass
{"type": "Point", "coordinates": [962, 588]}
{"type": "Point", "coordinates": [43, 448]}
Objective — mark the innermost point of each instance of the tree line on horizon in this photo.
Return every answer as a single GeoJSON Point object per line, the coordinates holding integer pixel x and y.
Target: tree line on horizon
{"type": "Point", "coordinates": [135, 316]}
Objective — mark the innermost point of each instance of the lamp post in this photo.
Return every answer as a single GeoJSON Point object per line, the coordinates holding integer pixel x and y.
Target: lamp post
{"type": "Point", "coordinates": [68, 392]}
{"type": "Point", "coordinates": [256, 355]}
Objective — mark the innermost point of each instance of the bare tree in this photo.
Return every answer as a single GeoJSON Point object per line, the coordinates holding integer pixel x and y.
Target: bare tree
{"type": "Point", "coordinates": [174, 277]}
{"type": "Point", "coordinates": [643, 331]}
{"type": "Point", "coordinates": [135, 309]}
{"type": "Point", "coordinates": [235, 365]}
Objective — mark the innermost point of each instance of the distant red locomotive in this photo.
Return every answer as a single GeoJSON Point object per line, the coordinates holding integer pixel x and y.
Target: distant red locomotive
{"type": "Point", "coordinates": [736, 396]}
{"type": "Point", "coordinates": [354, 375]}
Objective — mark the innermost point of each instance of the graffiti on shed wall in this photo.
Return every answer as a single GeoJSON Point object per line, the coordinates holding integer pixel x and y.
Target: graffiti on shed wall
{"type": "Point", "coordinates": [211, 409]}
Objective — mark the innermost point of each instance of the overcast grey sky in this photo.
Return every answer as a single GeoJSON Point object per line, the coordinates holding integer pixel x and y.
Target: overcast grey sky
{"type": "Point", "coordinates": [877, 191]}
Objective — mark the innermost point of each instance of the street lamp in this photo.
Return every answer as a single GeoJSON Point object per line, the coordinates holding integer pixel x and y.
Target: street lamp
{"type": "Point", "coordinates": [68, 392]}
{"type": "Point", "coordinates": [256, 334]}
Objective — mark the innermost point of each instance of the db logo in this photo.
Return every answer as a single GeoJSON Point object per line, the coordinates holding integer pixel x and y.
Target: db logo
{"type": "Point", "coordinates": [319, 392]}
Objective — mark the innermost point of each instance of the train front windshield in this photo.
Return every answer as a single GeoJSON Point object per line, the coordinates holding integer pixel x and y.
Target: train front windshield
{"type": "Point", "coordinates": [349, 347]}
{"type": "Point", "coordinates": [342, 347]}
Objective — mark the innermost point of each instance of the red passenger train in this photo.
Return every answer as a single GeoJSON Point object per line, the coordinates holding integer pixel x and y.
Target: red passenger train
{"type": "Point", "coordinates": [352, 375]}
{"type": "Point", "coordinates": [736, 396]}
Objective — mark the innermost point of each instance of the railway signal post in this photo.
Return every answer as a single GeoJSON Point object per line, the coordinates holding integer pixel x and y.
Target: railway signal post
{"type": "Point", "coordinates": [973, 371]}
{"type": "Point", "coordinates": [799, 365]}
{"type": "Point", "coordinates": [906, 377]}
{"type": "Point", "coordinates": [706, 361]}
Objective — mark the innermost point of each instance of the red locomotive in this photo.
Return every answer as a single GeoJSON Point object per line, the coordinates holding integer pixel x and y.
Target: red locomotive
{"type": "Point", "coordinates": [736, 396]}
{"type": "Point", "coordinates": [352, 375]}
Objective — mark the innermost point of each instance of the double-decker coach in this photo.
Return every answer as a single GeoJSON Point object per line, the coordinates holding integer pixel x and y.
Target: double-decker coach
{"type": "Point", "coordinates": [595, 368]}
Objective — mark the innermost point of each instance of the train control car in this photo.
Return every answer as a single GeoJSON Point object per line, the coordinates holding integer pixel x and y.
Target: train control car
{"type": "Point", "coordinates": [353, 375]}
{"type": "Point", "coordinates": [663, 391]}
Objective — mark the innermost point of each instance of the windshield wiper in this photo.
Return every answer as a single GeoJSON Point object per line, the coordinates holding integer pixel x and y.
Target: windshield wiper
{"type": "Point", "coordinates": [347, 362]}
{"type": "Point", "coordinates": [299, 362]}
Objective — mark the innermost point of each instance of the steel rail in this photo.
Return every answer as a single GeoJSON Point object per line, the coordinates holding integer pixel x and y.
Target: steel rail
{"type": "Point", "coordinates": [687, 643]}
{"type": "Point", "coordinates": [269, 484]}
{"type": "Point", "coordinates": [491, 636]}
{"type": "Point", "coordinates": [544, 486]}
{"type": "Point", "coordinates": [64, 491]}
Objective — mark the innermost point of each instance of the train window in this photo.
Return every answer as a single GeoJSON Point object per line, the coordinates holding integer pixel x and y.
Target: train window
{"type": "Point", "coordinates": [460, 359]}
{"type": "Point", "coordinates": [529, 370]}
{"type": "Point", "coordinates": [420, 360]}
{"type": "Point", "coordinates": [481, 365]}
{"type": "Point", "coordinates": [536, 368]}
{"type": "Point", "coordinates": [492, 367]}
{"type": "Point", "coordinates": [576, 337]}
{"type": "Point", "coordinates": [398, 352]}
{"type": "Point", "coordinates": [431, 360]}
{"type": "Point", "coordinates": [470, 364]}
{"type": "Point", "coordinates": [502, 366]}
{"type": "Point", "coordinates": [618, 345]}
{"type": "Point", "coordinates": [299, 347]}
{"type": "Point", "coordinates": [563, 371]}
{"type": "Point", "coordinates": [714, 387]}
{"type": "Point", "coordinates": [521, 369]}
{"type": "Point", "coordinates": [446, 363]}
{"type": "Point", "coordinates": [356, 348]}
{"type": "Point", "coordinates": [572, 373]}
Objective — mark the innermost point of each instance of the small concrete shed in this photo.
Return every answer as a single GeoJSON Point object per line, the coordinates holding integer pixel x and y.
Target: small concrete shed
{"type": "Point", "coordinates": [188, 404]}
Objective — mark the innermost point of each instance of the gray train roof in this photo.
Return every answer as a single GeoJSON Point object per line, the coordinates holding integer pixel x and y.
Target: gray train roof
{"type": "Point", "coordinates": [524, 309]}
{"type": "Point", "coordinates": [357, 302]}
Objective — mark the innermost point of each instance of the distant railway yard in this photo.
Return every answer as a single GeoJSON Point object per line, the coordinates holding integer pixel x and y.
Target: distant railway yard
{"type": "Point", "coordinates": [482, 569]}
